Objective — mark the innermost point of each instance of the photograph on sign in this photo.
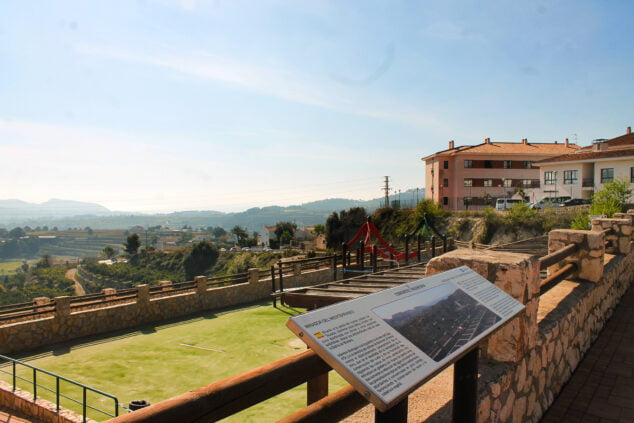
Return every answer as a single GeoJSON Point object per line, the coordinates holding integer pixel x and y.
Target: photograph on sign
{"type": "Point", "coordinates": [455, 318]}
{"type": "Point", "coordinates": [388, 343]}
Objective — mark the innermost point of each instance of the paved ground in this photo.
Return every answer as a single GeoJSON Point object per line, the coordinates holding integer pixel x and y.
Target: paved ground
{"type": "Point", "coordinates": [9, 416]}
{"type": "Point", "coordinates": [602, 388]}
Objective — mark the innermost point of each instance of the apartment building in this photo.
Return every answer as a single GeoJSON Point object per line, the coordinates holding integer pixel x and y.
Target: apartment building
{"type": "Point", "coordinates": [581, 173]}
{"type": "Point", "coordinates": [467, 177]}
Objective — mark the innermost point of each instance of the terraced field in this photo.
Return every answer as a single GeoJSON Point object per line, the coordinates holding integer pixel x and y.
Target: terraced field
{"type": "Point", "coordinates": [82, 244]}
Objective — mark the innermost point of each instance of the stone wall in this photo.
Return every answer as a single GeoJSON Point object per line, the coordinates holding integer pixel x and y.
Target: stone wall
{"type": "Point", "coordinates": [40, 410]}
{"type": "Point", "coordinates": [65, 325]}
{"type": "Point", "coordinates": [523, 370]}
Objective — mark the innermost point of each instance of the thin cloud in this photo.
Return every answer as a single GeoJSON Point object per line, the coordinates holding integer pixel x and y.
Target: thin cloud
{"type": "Point", "coordinates": [279, 83]}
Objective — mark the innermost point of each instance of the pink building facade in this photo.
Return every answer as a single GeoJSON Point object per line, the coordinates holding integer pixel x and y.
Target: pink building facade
{"type": "Point", "coordinates": [472, 177]}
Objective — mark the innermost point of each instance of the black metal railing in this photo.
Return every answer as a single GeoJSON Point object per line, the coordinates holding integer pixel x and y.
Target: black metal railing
{"type": "Point", "coordinates": [8, 362]}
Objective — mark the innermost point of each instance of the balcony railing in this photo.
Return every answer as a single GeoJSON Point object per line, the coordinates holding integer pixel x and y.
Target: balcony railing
{"type": "Point", "coordinates": [588, 182]}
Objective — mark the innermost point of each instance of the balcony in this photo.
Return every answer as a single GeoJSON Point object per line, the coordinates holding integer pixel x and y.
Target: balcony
{"type": "Point", "coordinates": [587, 183]}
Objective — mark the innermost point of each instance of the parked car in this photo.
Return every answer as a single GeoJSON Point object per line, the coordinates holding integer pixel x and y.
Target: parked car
{"type": "Point", "coordinates": [547, 202]}
{"type": "Point", "coordinates": [246, 249]}
{"type": "Point", "coordinates": [506, 203]}
{"type": "Point", "coordinates": [576, 202]}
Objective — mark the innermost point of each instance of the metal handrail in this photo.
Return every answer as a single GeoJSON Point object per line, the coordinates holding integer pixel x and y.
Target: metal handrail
{"type": "Point", "coordinates": [57, 391]}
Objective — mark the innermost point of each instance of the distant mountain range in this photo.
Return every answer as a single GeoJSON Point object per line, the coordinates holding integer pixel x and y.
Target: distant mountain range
{"type": "Point", "coordinates": [75, 214]}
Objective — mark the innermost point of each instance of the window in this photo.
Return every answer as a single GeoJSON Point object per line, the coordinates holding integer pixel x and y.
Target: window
{"type": "Point", "coordinates": [508, 164]}
{"type": "Point", "coordinates": [487, 183]}
{"type": "Point", "coordinates": [445, 164]}
{"type": "Point", "coordinates": [607, 175]}
{"type": "Point", "coordinates": [550, 178]}
{"type": "Point", "coordinates": [445, 182]}
{"type": "Point", "coordinates": [468, 164]}
{"type": "Point", "coordinates": [468, 182]}
{"type": "Point", "coordinates": [527, 183]}
{"type": "Point", "coordinates": [468, 201]}
{"type": "Point", "coordinates": [508, 183]}
{"type": "Point", "coordinates": [632, 174]}
{"type": "Point", "coordinates": [570, 177]}
{"type": "Point", "coordinates": [528, 164]}
{"type": "Point", "coordinates": [488, 164]}
{"type": "Point", "coordinates": [445, 201]}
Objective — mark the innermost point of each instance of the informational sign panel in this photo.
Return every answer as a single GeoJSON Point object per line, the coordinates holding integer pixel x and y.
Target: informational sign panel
{"type": "Point", "coordinates": [388, 343]}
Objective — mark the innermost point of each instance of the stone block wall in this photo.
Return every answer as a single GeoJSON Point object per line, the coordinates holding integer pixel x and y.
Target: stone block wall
{"type": "Point", "coordinates": [520, 385]}
{"type": "Point", "coordinates": [64, 325]}
{"type": "Point", "coordinates": [40, 410]}
{"type": "Point", "coordinates": [620, 235]}
{"type": "Point", "coordinates": [588, 257]}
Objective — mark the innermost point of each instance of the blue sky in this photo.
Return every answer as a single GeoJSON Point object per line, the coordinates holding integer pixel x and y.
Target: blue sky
{"type": "Point", "coordinates": [173, 105]}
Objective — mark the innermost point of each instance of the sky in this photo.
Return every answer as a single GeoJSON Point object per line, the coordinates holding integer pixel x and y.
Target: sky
{"type": "Point", "coordinates": [161, 105]}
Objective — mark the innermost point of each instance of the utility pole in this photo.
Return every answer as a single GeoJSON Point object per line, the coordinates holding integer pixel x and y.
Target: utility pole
{"type": "Point", "coordinates": [387, 191]}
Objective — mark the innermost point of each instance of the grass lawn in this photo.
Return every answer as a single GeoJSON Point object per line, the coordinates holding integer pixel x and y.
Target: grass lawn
{"type": "Point", "coordinates": [152, 364]}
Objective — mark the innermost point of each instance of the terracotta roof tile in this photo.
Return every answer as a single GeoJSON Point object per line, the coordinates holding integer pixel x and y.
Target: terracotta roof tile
{"type": "Point", "coordinates": [511, 148]}
{"type": "Point", "coordinates": [589, 155]}
{"type": "Point", "coordinates": [520, 148]}
{"type": "Point", "coordinates": [618, 142]}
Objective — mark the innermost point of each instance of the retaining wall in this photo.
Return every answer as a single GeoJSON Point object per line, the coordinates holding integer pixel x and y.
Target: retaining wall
{"type": "Point", "coordinates": [41, 410]}
{"type": "Point", "coordinates": [65, 325]}
{"type": "Point", "coordinates": [524, 366]}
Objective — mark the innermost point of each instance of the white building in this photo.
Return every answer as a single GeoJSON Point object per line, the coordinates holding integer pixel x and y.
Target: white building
{"type": "Point", "coordinates": [580, 174]}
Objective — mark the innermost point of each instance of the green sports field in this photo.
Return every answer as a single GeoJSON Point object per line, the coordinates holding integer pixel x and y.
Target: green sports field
{"type": "Point", "coordinates": [152, 364]}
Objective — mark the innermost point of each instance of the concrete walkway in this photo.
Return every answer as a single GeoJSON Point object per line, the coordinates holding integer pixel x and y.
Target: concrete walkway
{"type": "Point", "coordinates": [602, 388]}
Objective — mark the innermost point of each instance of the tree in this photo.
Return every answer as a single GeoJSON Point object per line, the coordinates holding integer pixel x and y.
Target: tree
{"type": "Point", "coordinates": [132, 244]}
{"type": "Point", "coordinates": [44, 262]}
{"type": "Point", "coordinates": [16, 233]}
{"type": "Point", "coordinates": [218, 232]}
{"type": "Point", "coordinates": [612, 198]}
{"type": "Point", "coordinates": [343, 226]}
{"type": "Point", "coordinates": [284, 232]}
{"type": "Point", "coordinates": [89, 230]}
{"type": "Point", "coordinates": [108, 252]}
{"type": "Point", "coordinates": [319, 229]}
{"type": "Point", "coordinates": [240, 233]}
{"type": "Point", "coordinates": [202, 256]}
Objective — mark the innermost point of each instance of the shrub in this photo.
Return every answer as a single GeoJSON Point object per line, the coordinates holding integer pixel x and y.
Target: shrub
{"type": "Point", "coordinates": [581, 221]}
{"type": "Point", "coordinates": [612, 198]}
{"type": "Point", "coordinates": [430, 209]}
{"type": "Point", "coordinates": [520, 215]}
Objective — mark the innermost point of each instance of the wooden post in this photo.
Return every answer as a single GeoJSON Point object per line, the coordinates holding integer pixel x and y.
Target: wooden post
{"type": "Point", "coordinates": [362, 256]}
{"type": "Point", "coordinates": [433, 246]}
{"type": "Point", "coordinates": [374, 259]}
{"type": "Point", "coordinates": [465, 388]}
{"type": "Point", "coordinates": [334, 266]}
{"type": "Point", "coordinates": [273, 286]}
{"type": "Point", "coordinates": [444, 245]}
{"type": "Point", "coordinates": [279, 264]}
{"type": "Point", "coordinates": [317, 388]}
{"type": "Point", "coordinates": [391, 257]}
{"type": "Point", "coordinates": [406, 249]}
{"type": "Point", "coordinates": [418, 242]}
{"type": "Point", "coordinates": [396, 414]}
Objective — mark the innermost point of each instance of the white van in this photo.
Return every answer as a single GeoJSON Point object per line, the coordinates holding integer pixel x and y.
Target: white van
{"type": "Point", "coordinates": [506, 203]}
